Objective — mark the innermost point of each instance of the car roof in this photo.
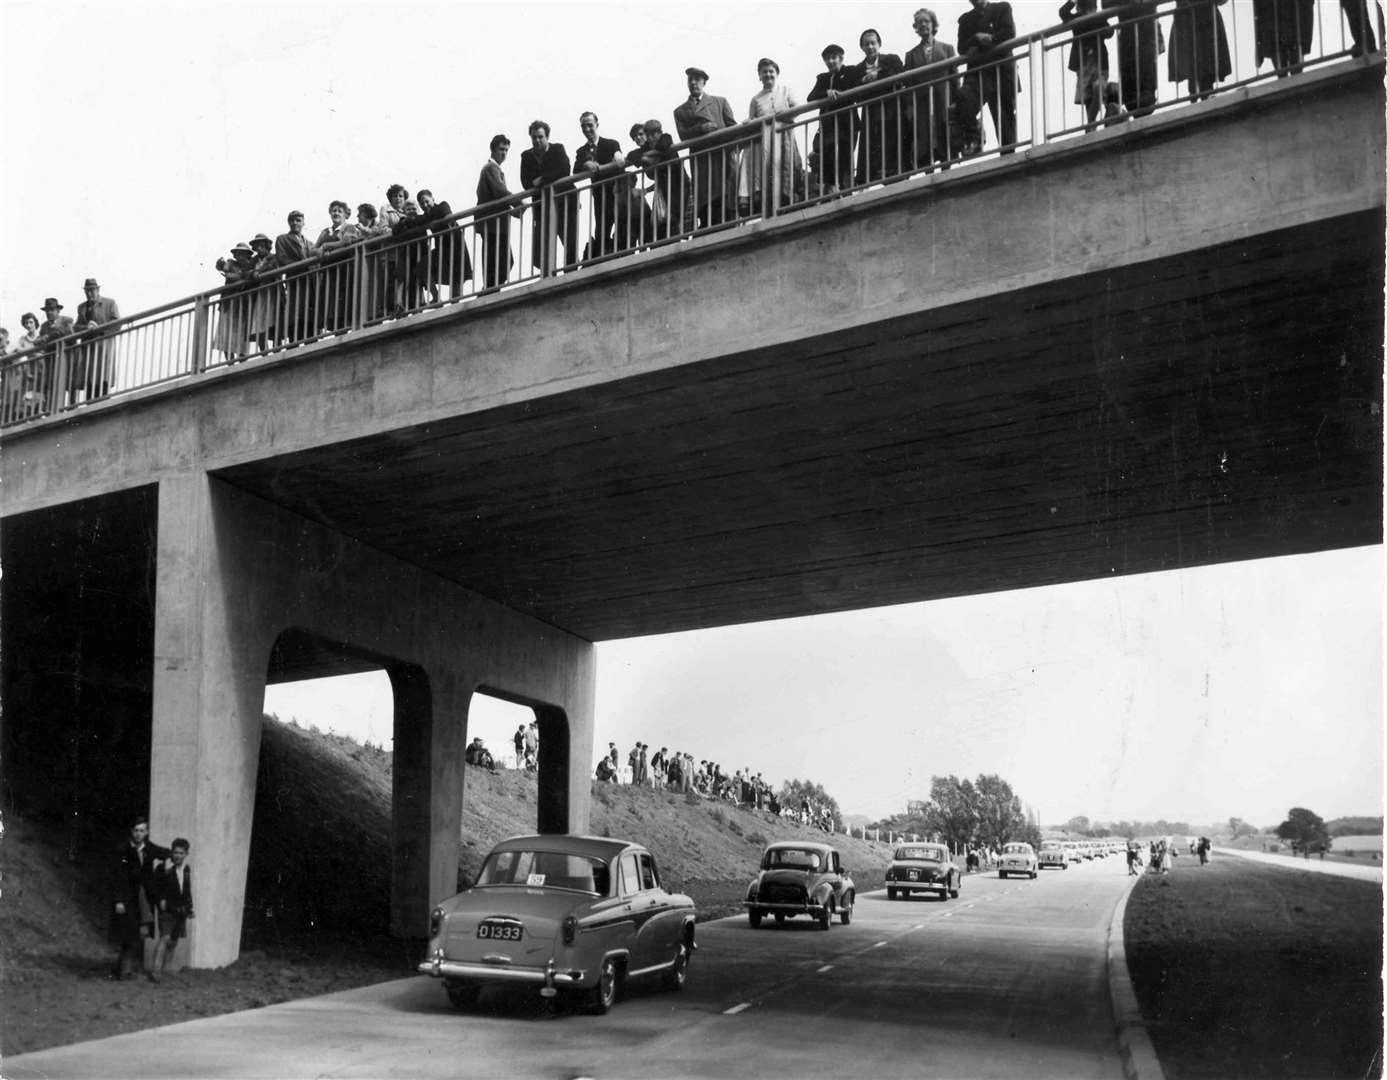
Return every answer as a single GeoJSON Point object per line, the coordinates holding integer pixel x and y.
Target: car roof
{"type": "Point", "coordinates": [799, 845]}
{"type": "Point", "coordinates": [597, 847]}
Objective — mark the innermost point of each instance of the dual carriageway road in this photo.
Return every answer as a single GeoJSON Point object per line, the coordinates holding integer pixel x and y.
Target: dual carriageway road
{"type": "Point", "coordinates": [1008, 980]}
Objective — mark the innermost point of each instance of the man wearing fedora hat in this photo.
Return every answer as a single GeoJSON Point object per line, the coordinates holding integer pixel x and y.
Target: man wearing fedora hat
{"type": "Point", "coordinates": [714, 168]}
{"type": "Point", "coordinates": [54, 326]}
{"type": "Point", "coordinates": [94, 314]}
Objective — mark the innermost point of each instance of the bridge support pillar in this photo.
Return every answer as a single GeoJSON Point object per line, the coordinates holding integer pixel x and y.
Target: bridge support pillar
{"type": "Point", "coordinates": [233, 574]}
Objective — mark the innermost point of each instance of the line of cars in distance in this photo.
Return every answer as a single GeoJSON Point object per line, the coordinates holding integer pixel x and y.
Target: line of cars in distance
{"type": "Point", "coordinates": [575, 917]}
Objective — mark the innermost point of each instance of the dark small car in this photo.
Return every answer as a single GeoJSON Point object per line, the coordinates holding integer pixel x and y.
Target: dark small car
{"type": "Point", "coordinates": [923, 867]}
{"type": "Point", "coordinates": [801, 878]}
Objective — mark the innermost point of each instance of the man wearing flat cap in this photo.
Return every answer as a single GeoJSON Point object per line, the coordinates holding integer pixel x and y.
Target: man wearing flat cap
{"type": "Point", "coordinates": [714, 164]}
{"type": "Point", "coordinates": [835, 124]}
{"type": "Point", "coordinates": [91, 372]}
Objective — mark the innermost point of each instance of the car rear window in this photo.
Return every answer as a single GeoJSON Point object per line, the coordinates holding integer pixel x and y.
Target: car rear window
{"type": "Point", "coordinates": [545, 869]}
{"type": "Point", "coordinates": [925, 854]}
{"type": "Point", "coordinates": [792, 858]}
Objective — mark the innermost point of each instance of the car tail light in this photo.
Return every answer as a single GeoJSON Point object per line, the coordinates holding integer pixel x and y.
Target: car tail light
{"type": "Point", "coordinates": [435, 921]}
{"type": "Point", "coordinates": [570, 930]}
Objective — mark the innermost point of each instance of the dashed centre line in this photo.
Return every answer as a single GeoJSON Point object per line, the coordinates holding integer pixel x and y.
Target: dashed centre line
{"type": "Point", "coordinates": [736, 1009]}
{"type": "Point", "coordinates": [826, 967]}
{"type": "Point", "coordinates": [879, 944]}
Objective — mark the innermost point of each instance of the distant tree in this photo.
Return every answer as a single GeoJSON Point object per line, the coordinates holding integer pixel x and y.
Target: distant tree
{"type": "Point", "coordinates": [1078, 824]}
{"type": "Point", "coordinates": [952, 810]}
{"type": "Point", "coordinates": [1238, 827]}
{"type": "Point", "coordinates": [999, 815]}
{"type": "Point", "coordinates": [1355, 826]}
{"type": "Point", "coordinates": [1305, 831]}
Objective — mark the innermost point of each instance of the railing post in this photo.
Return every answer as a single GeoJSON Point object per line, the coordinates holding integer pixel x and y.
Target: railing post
{"type": "Point", "coordinates": [549, 231]}
{"type": "Point", "coordinates": [58, 387]}
{"type": "Point", "coordinates": [771, 204]}
{"type": "Point", "coordinates": [1035, 53]}
{"type": "Point", "coordinates": [198, 361]}
{"type": "Point", "coordinates": [358, 298]}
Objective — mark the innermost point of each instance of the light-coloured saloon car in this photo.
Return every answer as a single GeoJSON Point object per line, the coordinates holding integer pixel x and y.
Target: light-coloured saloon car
{"type": "Point", "coordinates": [1017, 859]}
{"type": "Point", "coordinates": [577, 915]}
{"type": "Point", "coordinates": [1052, 853]}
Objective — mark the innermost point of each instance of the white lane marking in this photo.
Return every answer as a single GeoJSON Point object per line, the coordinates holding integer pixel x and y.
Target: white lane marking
{"type": "Point", "coordinates": [736, 1009]}
{"type": "Point", "coordinates": [826, 967]}
{"type": "Point", "coordinates": [918, 926]}
{"type": "Point", "coordinates": [879, 944]}
{"type": "Point", "coordinates": [946, 915]}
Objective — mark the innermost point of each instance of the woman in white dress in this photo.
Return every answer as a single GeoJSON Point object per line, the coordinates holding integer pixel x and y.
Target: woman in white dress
{"type": "Point", "coordinates": [772, 100]}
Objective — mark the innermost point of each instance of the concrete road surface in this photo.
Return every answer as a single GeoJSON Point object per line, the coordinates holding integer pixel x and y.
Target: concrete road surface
{"type": "Point", "coordinates": [1009, 980]}
{"type": "Point", "coordinates": [1315, 866]}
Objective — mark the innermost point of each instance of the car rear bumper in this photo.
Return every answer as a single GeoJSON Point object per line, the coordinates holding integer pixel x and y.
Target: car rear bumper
{"type": "Point", "coordinates": [782, 908]}
{"type": "Point", "coordinates": [441, 968]}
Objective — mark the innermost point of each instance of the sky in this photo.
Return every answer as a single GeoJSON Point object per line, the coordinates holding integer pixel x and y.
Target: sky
{"type": "Point", "coordinates": [143, 139]}
{"type": "Point", "coordinates": [1196, 695]}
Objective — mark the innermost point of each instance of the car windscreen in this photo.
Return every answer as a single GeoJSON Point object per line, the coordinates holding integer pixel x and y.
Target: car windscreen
{"type": "Point", "coordinates": [791, 859]}
{"type": "Point", "coordinates": [921, 854]}
{"type": "Point", "coordinates": [1016, 849]}
{"type": "Point", "coordinates": [546, 869]}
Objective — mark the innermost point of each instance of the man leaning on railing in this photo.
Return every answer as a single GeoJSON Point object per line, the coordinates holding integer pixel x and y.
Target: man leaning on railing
{"type": "Point", "coordinates": [91, 371]}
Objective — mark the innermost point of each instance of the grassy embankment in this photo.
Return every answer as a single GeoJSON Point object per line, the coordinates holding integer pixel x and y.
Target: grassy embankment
{"type": "Point", "coordinates": [1249, 970]}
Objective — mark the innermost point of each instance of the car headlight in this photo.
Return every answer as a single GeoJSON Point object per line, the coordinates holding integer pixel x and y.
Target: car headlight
{"type": "Point", "coordinates": [435, 921]}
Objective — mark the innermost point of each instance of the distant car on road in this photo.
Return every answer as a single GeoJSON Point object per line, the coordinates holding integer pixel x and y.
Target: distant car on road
{"type": "Point", "coordinates": [1017, 858]}
{"type": "Point", "coordinates": [923, 867]}
{"type": "Point", "coordinates": [577, 915]}
{"type": "Point", "coordinates": [800, 878]}
{"type": "Point", "coordinates": [1052, 853]}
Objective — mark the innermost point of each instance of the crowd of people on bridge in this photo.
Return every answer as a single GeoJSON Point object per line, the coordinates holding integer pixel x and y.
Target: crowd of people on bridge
{"type": "Point", "coordinates": [911, 113]}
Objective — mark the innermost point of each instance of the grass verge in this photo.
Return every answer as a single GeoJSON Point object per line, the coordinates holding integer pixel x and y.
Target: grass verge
{"type": "Point", "coordinates": [1248, 970]}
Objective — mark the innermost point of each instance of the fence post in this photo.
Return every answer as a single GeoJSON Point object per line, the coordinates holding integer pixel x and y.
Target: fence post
{"type": "Point", "coordinates": [549, 231]}
{"type": "Point", "coordinates": [1035, 52]}
{"type": "Point", "coordinates": [770, 190]}
{"type": "Point", "coordinates": [60, 377]}
{"type": "Point", "coordinates": [198, 361]}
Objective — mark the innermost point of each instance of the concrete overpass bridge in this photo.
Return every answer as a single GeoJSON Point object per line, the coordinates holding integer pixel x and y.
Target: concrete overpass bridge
{"type": "Point", "coordinates": [1150, 347]}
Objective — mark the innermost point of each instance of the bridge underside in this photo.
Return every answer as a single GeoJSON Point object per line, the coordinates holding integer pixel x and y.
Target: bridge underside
{"type": "Point", "coordinates": [1215, 406]}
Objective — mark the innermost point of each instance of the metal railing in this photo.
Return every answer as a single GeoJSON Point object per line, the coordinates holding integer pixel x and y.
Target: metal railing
{"type": "Point", "coordinates": [1093, 70]}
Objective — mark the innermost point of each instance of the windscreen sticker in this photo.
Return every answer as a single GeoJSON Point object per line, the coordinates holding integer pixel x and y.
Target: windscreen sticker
{"type": "Point", "coordinates": [534, 881]}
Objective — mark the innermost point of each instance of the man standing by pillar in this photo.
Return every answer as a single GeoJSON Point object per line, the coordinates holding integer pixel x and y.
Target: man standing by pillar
{"type": "Point", "coordinates": [714, 167]}
{"type": "Point", "coordinates": [132, 913]}
{"type": "Point", "coordinates": [91, 373]}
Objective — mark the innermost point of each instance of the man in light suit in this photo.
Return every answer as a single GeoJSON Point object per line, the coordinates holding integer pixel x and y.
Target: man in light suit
{"type": "Point", "coordinates": [91, 372]}
{"type": "Point", "coordinates": [932, 105]}
{"type": "Point", "coordinates": [547, 164]}
{"type": "Point", "coordinates": [714, 168]}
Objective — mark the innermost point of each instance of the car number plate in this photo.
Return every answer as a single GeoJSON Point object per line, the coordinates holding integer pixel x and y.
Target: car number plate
{"type": "Point", "coordinates": [914, 875]}
{"type": "Point", "coordinates": [501, 931]}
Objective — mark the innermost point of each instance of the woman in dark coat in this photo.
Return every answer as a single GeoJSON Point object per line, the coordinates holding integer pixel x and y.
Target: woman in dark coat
{"type": "Point", "coordinates": [1198, 48]}
{"type": "Point", "coordinates": [883, 125]}
{"type": "Point", "coordinates": [1284, 31]}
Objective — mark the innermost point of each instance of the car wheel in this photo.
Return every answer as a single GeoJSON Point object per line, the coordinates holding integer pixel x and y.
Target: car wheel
{"type": "Point", "coordinates": [461, 996]}
{"type": "Point", "coordinates": [754, 918]}
{"type": "Point", "coordinates": [1002, 874]}
{"type": "Point", "coordinates": [780, 918]}
{"type": "Point", "coordinates": [825, 916]}
{"type": "Point", "coordinates": [845, 916]}
{"type": "Point", "coordinates": [603, 996]}
{"type": "Point", "coordinates": [890, 893]}
{"type": "Point", "coordinates": [953, 893]}
{"type": "Point", "coordinates": [678, 972]}
{"type": "Point", "coordinates": [1035, 874]}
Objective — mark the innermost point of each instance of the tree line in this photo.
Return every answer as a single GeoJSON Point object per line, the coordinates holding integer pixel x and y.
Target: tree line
{"type": "Point", "coordinates": [963, 813]}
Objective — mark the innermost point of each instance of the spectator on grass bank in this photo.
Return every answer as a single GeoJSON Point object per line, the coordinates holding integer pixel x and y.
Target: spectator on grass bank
{"type": "Point", "coordinates": [477, 754]}
{"type": "Point", "coordinates": [532, 747]}
{"type": "Point", "coordinates": [519, 740]}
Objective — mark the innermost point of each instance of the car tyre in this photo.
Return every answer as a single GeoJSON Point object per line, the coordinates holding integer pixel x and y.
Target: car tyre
{"type": "Point", "coordinates": [953, 893]}
{"type": "Point", "coordinates": [462, 996]}
{"type": "Point", "coordinates": [825, 916]}
{"type": "Point", "coordinates": [678, 972]}
{"type": "Point", "coordinates": [603, 996]}
{"type": "Point", "coordinates": [845, 916]}
{"type": "Point", "coordinates": [780, 918]}
{"type": "Point", "coordinates": [754, 918]}
{"type": "Point", "coordinates": [890, 893]}
{"type": "Point", "coordinates": [1035, 874]}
